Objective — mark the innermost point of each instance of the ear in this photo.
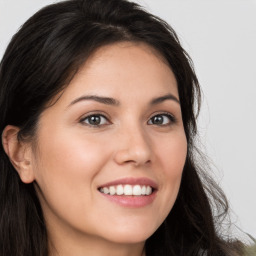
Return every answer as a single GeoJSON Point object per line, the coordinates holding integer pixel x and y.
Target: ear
{"type": "Point", "coordinates": [20, 153]}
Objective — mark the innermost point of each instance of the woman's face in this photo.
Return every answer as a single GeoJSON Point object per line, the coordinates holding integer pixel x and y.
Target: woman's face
{"type": "Point", "coordinates": [117, 128]}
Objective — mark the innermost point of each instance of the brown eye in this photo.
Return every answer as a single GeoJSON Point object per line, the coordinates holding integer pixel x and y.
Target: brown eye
{"type": "Point", "coordinates": [95, 120]}
{"type": "Point", "coordinates": [161, 119]}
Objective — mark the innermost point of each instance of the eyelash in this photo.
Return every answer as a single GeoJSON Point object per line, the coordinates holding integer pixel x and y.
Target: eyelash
{"type": "Point", "coordinates": [171, 120]}
{"type": "Point", "coordinates": [83, 120]}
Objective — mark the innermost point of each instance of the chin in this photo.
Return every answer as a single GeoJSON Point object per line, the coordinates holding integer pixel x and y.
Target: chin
{"type": "Point", "coordinates": [132, 235]}
{"type": "Point", "coordinates": [129, 238]}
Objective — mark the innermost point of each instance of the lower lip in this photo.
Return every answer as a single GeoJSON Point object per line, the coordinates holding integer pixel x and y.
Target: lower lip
{"type": "Point", "coordinates": [131, 201]}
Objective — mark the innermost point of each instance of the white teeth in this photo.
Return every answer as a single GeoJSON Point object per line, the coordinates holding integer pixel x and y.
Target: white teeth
{"type": "Point", "coordinates": [128, 190]}
{"type": "Point", "coordinates": [136, 191]}
{"type": "Point", "coordinates": [105, 190]}
{"type": "Point", "coordinates": [148, 190]}
{"type": "Point", "coordinates": [112, 190]}
{"type": "Point", "coordinates": [119, 190]}
{"type": "Point", "coordinates": [143, 190]}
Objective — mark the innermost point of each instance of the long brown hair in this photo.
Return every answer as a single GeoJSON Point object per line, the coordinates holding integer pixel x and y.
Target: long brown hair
{"type": "Point", "coordinates": [40, 61]}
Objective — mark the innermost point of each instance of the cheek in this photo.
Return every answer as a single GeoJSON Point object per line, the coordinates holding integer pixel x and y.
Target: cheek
{"type": "Point", "coordinates": [172, 157]}
{"type": "Point", "coordinates": [66, 167]}
{"type": "Point", "coordinates": [172, 153]}
{"type": "Point", "coordinates": [70, 154]}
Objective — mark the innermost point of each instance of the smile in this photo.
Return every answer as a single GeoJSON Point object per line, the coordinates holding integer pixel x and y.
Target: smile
{"type": "Point", "coordinates": [130, 192]}
{"type": "Point", "coordinates": [127, 190]}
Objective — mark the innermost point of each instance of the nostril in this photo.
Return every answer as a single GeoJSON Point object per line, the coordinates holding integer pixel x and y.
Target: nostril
{"type": "Point", "coordinates": [136, 152]}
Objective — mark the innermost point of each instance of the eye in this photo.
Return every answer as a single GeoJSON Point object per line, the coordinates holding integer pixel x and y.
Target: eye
{"type": "Point", "coordinates": [161, 119]}
{"type": "Point", "coordinates": [95, 120]}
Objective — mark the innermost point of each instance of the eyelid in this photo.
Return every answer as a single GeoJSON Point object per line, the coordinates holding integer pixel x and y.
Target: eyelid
{"type": "Point", "coordinates": [171, 117]}
{"type": "Point", "coordinates": [94, 113]}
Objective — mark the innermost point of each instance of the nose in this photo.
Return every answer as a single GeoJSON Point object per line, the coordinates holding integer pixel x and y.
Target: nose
{"type": "Point", "coordinates": [133, 147]}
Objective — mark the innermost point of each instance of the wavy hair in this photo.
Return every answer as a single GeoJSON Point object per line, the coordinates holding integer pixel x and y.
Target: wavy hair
{"type": "Point", "coordinates": [40, 61]}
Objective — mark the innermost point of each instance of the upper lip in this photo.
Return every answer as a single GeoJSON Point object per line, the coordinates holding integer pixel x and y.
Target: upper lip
{"type": "Point", "coordinates": [131, 181]}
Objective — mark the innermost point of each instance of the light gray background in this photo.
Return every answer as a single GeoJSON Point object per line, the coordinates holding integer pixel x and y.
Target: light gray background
{"type": "Point", "coordinates": [220, 36]}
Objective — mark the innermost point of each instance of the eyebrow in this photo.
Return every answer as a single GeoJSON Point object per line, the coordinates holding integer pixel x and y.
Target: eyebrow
{"type": "Point", "coordinates": [100, 99]}
{"type": "Point", "coordinates": [159, 100]}
{"type": "Point", "coordinates": [114, 102]}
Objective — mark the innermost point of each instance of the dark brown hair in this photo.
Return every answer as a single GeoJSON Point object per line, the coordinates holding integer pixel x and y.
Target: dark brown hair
{"type": "Point", "coordinates": [40, 61]}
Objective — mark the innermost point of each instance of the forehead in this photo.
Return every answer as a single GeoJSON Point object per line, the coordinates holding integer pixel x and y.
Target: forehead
{"type": "Point", "coordinates": [125, 70]}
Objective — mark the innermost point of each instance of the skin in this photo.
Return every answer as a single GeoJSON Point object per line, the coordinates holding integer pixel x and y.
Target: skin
{"type": "Point", "coordinates": [73, 157]}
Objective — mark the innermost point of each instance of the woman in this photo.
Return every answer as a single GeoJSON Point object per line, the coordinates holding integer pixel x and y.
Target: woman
{"type": "Point", "coordinates": [98, 124]}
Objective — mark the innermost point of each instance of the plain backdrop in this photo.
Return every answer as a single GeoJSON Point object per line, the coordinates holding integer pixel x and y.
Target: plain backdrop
{"type": "Point", "coordinates": [220, 36]}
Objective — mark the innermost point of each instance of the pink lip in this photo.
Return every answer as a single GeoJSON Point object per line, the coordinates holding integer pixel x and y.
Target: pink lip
{"type": "Point", "coordinates": [131, 181]}
{"type": "Point", "coordinates": [131, 201]}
